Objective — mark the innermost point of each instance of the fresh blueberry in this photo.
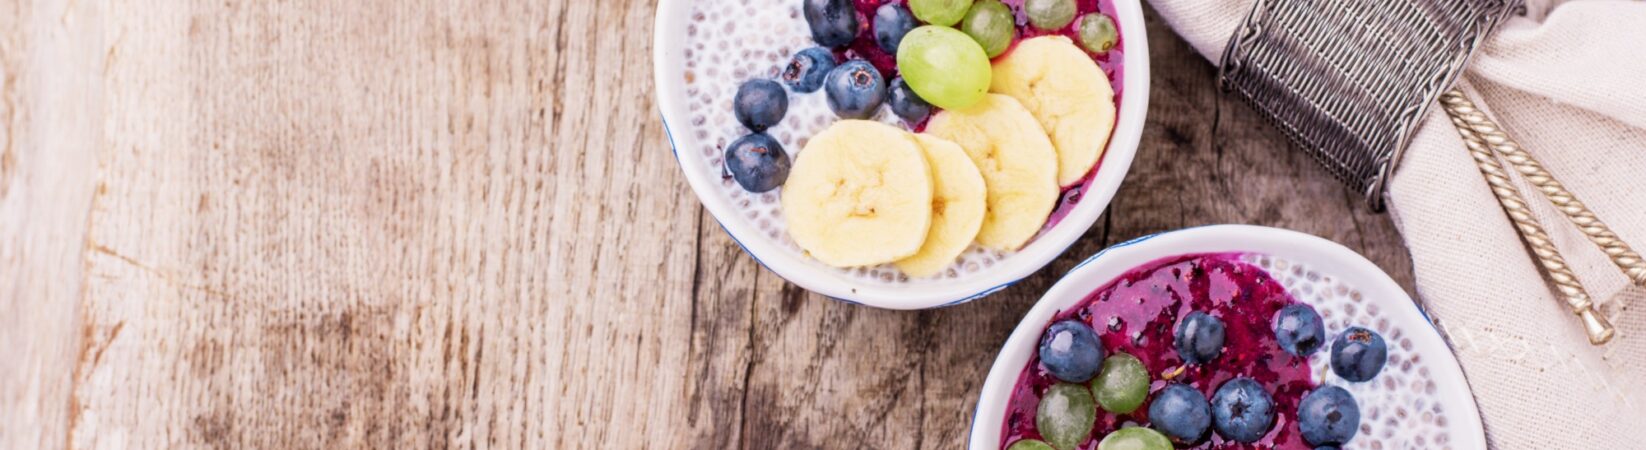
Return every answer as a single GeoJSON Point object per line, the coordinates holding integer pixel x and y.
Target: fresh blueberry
{"type": "Point", "coordinates": [1328, 416]}
{"type": "Point", "coordinates": [1298, 329]}
{"type": "Point", "coordinates": [1242, 411]}
{"type": "Point", "coordinates": [905, 103]}
{"type": "Point", "coordinates": [760, 104]}
{"type": "Point", "coordinates": [807, 69]}
{"type": "Point", "coordinates": [1181, 413]}
{"type": "Point", "coordinates": [1199, 338]}
{"type": "Point", "coordinates": [833, 22]}
{"type": "Point", "coordinates": [855, 89]}
{"type": "Point", "coordinates": [1358, 354]}
{"type": "Point", "coordinates": [757, 162]}
{"type": "Point", "coordinates": [891, 22]}
{"type": "Point", "coordinates": [1071, 351]}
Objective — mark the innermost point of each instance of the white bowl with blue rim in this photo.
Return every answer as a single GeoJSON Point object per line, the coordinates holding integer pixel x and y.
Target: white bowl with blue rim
{"type": "Point", "coordinates": [787, 261]}
{"type": "Point", "coordinates": [1462, 423]}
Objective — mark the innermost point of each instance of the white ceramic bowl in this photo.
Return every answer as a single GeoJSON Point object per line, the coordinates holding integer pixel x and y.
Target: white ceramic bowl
{"type": "Point", "coordinates": [669, 59]}
{"type": "Point", "coordinates": [1327, 257]}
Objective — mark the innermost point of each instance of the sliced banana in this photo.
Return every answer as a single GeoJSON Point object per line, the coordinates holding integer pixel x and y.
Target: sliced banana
{"type": "Point", "coordinates": [958, 204]}
{"type": "Point", "coordinates": [1070, 96]}
{"type": "Point", "coordinates": [1017, 161]}
{"type": "Point", "coordinates": [859, 194]}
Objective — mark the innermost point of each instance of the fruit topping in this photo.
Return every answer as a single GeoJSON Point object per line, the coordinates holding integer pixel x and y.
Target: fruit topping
{"type": "Point", "coordinates": [1298, 330]}
{"type": "Point", "coordinates": [990, 23]}
{"type": "Point", "coordinates": [757, 162]}
{"type": "Point", "coordinates": [855, 89]}
{"type": "Point", "coordinates": [1135, 438]}
{"type": "Point", "coordinates": [1049, 15]}
{"type": "Point", "coordinates": [1181, 413]}
{"type": "Point", "coordinates": [905, 103]}
{"type": "Point", "coordinates": [860, 194]}
{"type": "Point", "coordinates": [1069, 96]}
{"type": "Point", "coordinates": [1017, 160]}
{"type": "Point", "coordinates": [945, 66]}
{"type": "Point", "coordinates": [1097, 33]}
{"type": "Point", "coordinates": [1030, 444]}
{"type": "Point", "coordinates": [759, 104]}
{"type": "Point", "coordinates": [1122, 385]}
{"type": "Point", "coordinates": [1242, 411]}
{"type": "Point", "coordinates": [808, 68]}
{"type": "Point", "coordinates": [1358, 354]}
{"type": "Point", "coordinates": [833, 22]}
{"type": "Point", "coordinates": [1199, 338]}
{"type": "Point", "coordinates": [958, 201]}
{"type": "Point", "coordinates": [1066, 415]}
{"type": "Point", "coordinates": [940, 12]}
{"type": "Point", "coordinates": [891, 22]}
{"type": "Point", "coordinates": [1071, 351]}
{"type": "Point", "coordinates": [1328, 416]}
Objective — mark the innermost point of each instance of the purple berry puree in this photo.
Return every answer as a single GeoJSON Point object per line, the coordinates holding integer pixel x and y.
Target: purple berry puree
{"type": "Point", "coordinates": [865, 47]}
{"type": "Point", "coordinates": [1137, 314]}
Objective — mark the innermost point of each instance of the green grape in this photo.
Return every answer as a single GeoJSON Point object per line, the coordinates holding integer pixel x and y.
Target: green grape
{"type": "Point", "coordinates": [1097, 33]}
{"type": "Point", "coordinates": [1030, 444]}
{"type": "Point", "coordinates": [1066, 415]}
{"type": "Point", "coordinates": [1049, 15]}
{"type": "Point", "coordinates": [990, 23]}
{"type": "Point", "coordinates": [944, 66]}
{"type": "Point", "coordinates": [1135, 438]}
{"type": "Point", "coordinates": [1122, 384]}
{"type": "Point", "coordinates": [940, 12]}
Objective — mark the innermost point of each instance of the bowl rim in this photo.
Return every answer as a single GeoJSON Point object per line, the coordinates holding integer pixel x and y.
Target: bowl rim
{"type": "Point", "coordinates": [1106, 265]}
{"type": "Point", "coordinates": [668, 56]}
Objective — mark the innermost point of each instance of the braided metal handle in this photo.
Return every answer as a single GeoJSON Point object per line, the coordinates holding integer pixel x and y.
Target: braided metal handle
{"type": "Point", "coordinates": [1621, 255]}
{"type": "Point", "coordinates": [1485, 141]}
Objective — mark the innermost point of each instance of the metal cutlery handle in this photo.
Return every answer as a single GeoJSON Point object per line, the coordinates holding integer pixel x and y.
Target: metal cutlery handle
{"type": "Point", "coordinates": [1485, 139]}
{"type": "Point", "coordinates": [1579, 214]}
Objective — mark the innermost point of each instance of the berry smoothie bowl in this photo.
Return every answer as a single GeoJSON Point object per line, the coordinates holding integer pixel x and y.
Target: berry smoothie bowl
{"type": "Point", "coordinates": [1225, 337]}
{"type": "Point", "coordinates": [903, 154]}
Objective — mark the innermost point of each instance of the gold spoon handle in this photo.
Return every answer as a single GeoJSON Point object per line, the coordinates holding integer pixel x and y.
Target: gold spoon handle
{"type": "Point", "coordinates": [1483, 137]}
{"type": "Point", "coordinates": [1579, 214]}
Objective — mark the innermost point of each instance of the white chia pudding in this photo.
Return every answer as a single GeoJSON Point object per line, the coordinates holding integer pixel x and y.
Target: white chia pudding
{"type": "Point", "coordinates": [1397, 408]}
{"type": "Point", "coordinates": [729, 42]}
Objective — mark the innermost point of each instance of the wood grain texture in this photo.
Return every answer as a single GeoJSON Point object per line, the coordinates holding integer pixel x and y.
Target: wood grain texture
{"type": "Point", "coordinates": [387, 224]}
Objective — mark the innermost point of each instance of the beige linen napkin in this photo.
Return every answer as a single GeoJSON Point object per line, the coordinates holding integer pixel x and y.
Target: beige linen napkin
{"type": "Point", "coordinates": [1568, 80]}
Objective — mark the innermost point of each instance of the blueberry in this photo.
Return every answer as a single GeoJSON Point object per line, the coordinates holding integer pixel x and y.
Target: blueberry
{"type": "Point", "coordinates": [1199, 338]}
{"type": "Point", "coordinates": [891, 22]}
{"type": "Point", "coordinates": [1358, 354]}
{"type": "Point", "coordinates": [1181, 413]}
{"type": "Point", "coordinates": [855, 89]}
{"type": "Point", "coordinates": [1242, 411]}
{"type": "Point", "coordinates": [905, 103]}
{"type": "Point", "coordinates": [757, 162]}
{"type": "Point", "coordinates": [1328, 416]}
{"type": "Point", "coordinates": [1298, 329]}
{"type": "Point", "coordinates": [807, 69]}
{"type": "Point", "coordinates": [760, 104]}
{"type": "Point", "coordinates": [833, 22]}
{"type": "Point", "coordinates": [1071, 351]}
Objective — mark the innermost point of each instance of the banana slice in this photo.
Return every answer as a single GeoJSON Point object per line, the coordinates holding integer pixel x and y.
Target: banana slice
{"type": "Point", "coordinates": [958, 204]}
{"type": "Point", "coordinates": [1017, 161]}
{"type": "Point", "coordinates": [1067, 93]}
{"type": "Point", "coordinates": [859, 194]}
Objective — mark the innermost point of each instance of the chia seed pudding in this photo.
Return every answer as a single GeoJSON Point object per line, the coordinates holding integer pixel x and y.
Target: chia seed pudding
{"type": "Point", "coordinates": [731, 41]}
{"type": "Point", "coordinates": [1136, 313]}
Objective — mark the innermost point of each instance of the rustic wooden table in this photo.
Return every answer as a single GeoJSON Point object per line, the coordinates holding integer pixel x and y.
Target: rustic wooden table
{"type": "Point", "coordinates": [389, 224]}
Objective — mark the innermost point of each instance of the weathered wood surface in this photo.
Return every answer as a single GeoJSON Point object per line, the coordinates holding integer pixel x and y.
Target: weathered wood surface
{"type": "Point", "coordinates": [391, 224]}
